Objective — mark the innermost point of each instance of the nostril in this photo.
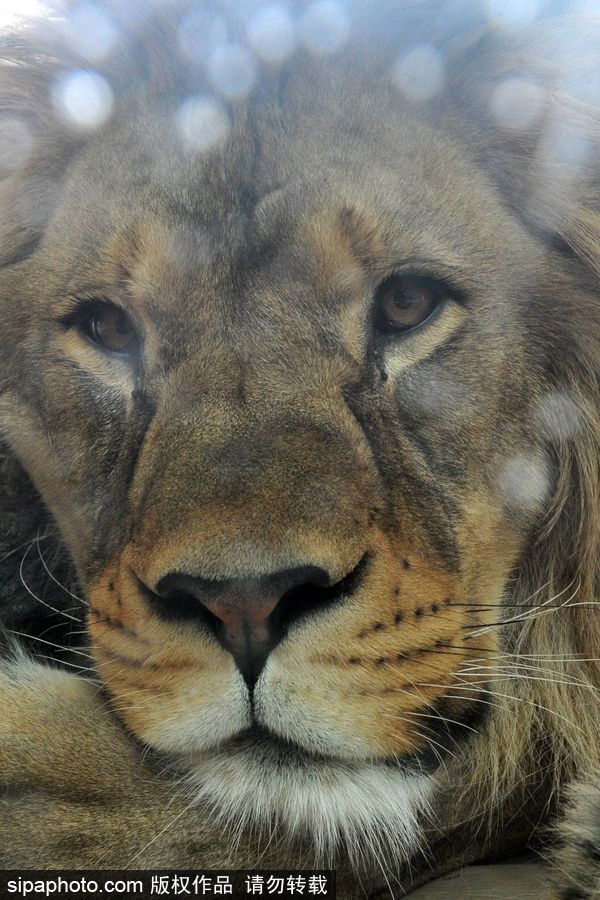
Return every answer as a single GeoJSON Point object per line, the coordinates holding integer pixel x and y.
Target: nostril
{"type": "Point", "coordinates": [173, 604]}
{"type": "Point", "coordinates": [305, 599]}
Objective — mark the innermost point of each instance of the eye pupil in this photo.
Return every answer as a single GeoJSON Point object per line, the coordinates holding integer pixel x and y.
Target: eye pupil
{"type": "Point", "coordinates": [404, 299]}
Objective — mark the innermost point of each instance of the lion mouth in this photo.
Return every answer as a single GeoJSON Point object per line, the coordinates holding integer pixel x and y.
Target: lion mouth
{"type": "Point", "coordinates": [444, 736]}
{"type": "Point", "coordinates": [261, 737]}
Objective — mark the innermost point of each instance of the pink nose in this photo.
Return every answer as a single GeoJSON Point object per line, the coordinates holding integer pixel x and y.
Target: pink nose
{"type": "Point", "coordinates": [248, 616]}
{"type": "Point", "coordinates": [245, 619]}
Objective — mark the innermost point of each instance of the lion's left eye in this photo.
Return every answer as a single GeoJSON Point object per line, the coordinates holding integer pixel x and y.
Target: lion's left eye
{"type": "Point", "coordinates": [109, 327]}
{"type": "Point", "coordinates": [403, 302]}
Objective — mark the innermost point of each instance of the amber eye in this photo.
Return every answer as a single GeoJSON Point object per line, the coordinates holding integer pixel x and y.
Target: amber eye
{"type": "Point", "coordinates": [403, 302]}
{"type": "Point", "coordinates": [109, 327]}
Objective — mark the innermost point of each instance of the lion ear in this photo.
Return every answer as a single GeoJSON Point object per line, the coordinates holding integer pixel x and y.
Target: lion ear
{"type": "Point", "coordinates": [562, 198]}
{"type": "Point", "coordinates": [27, 202]}
{"type": "Point", "coordinates": [34, 147]}
{"type": "Point", "coordinates": [540, 92]}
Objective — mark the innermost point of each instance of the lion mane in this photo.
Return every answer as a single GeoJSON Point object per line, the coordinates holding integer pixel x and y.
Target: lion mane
{"type": "Point", "coordinates": [208, 477]}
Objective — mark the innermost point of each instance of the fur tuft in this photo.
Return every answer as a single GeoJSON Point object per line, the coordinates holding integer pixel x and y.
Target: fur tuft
{"type": "Point", "coordinates": [365, 811]}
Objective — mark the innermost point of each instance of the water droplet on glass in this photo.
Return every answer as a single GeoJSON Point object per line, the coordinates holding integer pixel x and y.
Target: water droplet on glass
{"type": "Point", "coordinates": [186, 247]}
{"type": "Point", "coordinates": [232, 70]}
{"type": "Point", "coordinates": [516, 103]}
{"type": "Point", "coordinates": [325, 27]}
{"type": "Point", "coordinates": [525, 482]}
{"type": "Point", "coordinates": [83, 98]}
{"type": "Point", "coordinates": [419, 75]}
{"type": "Point", "coordinates": [202, 123]}
{"type": "Point", "coordinates": [201, 31]}
{"type": "Point", "coordinates": [90, 32]}
{"type": "Point", "coordinates": [271, 33]}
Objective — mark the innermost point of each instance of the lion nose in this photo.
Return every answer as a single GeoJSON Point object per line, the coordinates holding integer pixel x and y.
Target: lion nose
{"type": "Point", "coordinates": [248, 616]}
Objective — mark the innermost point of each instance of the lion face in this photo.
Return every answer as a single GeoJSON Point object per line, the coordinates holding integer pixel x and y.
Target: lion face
{"type": "Point", "coordinates": [283, 401]}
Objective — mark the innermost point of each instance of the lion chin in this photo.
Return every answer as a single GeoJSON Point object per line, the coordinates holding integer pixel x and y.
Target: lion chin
{"type": "Point", "coordinates": [371, 809]}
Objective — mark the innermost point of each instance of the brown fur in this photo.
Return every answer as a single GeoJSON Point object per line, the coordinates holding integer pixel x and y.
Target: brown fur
{"type": "Point", "coordinates": [267, 431]}
{"type": "Point", "coordinates": [577, 861]}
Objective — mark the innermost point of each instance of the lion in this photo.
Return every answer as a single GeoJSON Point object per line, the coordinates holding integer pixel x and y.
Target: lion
{"type": "Point", "coordinates": [299, 408]}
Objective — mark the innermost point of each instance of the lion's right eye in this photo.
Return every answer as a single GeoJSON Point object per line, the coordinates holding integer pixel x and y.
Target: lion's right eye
{"type": "Point", "coordinates": [109, 327]}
